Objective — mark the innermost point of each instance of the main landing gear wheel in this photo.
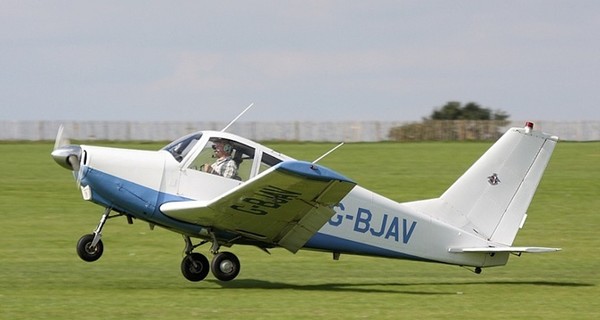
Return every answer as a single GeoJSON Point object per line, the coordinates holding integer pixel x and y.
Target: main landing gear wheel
{"type": "Point", "coordinates": [88, 252]}
{"type": "Point", "coordinates": [194, 267]}
{"type": "Point", "coordinates": [225, 266]}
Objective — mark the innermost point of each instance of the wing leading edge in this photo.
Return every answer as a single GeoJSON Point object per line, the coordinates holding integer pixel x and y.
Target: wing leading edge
{"type": "Point", "coordinates": [285, 205]}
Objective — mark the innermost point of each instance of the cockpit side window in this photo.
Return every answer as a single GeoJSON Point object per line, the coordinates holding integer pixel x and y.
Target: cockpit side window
{"type": "Point", "coordinates": [180, 147]}
{"type": "Point", "coordinates": [268, 161]}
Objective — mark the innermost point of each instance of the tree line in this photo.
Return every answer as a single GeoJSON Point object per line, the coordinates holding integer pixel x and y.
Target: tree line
{"type": "Point", "coordinates": [454, 121]}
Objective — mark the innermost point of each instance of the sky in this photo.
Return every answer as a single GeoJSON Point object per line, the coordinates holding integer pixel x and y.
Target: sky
{"type": "Point", "coordinates": [297, 60]}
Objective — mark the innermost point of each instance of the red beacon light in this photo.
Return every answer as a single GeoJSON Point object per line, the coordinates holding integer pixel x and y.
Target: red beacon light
{"type": "Point", "coordinates": [528, 126]}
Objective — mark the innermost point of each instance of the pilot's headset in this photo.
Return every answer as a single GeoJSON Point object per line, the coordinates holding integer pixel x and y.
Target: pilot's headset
{"type": "Point", "coordinates": [227, 147]}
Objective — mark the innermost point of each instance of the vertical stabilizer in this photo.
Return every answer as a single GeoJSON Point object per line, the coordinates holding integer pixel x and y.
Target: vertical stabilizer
{"type": "Point", "coordinates": [491, 198]}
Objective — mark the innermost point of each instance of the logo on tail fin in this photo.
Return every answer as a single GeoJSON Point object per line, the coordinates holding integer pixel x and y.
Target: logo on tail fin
{"type": "Point", "coordinates": [493, 179]}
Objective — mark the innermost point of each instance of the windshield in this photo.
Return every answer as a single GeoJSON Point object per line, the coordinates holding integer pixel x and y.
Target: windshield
{"type": "Point", "coordinates": [180, 147]}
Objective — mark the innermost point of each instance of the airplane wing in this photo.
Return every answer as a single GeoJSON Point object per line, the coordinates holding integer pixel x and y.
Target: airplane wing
{"type": "Point", "coordinates": [285, 205]}
{"type": "Point", "coordinates": [518, 250]}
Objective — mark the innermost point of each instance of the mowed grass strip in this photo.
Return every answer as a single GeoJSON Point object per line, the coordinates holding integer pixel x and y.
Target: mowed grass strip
{"type": "Point", "coordinates": [42, 215]}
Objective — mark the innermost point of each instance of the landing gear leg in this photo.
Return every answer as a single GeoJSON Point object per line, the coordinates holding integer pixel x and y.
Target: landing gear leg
{"type": "Point", "coordinates": [214, 248]}
{"type": "Point", "coordinates": [90, 247]}
{"type": "Point", "coordinates": [194, 266]}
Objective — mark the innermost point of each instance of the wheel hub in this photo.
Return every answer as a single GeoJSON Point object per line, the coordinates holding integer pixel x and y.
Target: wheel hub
{"type": "Point", "coordinates": [91, 249]}
{"type": "Point", "coordinates": [227, 266]}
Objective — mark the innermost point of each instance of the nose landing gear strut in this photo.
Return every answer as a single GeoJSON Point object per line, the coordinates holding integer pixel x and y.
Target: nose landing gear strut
{"type": "Point", "coordinates": [90, 247]}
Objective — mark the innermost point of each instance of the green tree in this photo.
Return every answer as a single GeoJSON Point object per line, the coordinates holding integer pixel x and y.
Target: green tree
{"type": "Point", "coordinates": [471, 111]}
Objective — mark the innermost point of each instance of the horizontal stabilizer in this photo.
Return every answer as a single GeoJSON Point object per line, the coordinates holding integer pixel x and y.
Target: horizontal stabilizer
{"type": "Point", "coordinates": [504, 249]}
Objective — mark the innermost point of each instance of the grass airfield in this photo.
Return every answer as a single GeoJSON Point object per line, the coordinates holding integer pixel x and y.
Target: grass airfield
{"type": "Point", "coordinates": [42, 217]}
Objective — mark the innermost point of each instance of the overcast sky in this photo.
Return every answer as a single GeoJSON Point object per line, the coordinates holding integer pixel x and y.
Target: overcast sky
{"type": "Point", "coordinates": [297, 60]}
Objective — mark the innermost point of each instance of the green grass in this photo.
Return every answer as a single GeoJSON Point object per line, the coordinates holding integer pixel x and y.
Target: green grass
{"type": "Point", "coordinates": [42, 216]}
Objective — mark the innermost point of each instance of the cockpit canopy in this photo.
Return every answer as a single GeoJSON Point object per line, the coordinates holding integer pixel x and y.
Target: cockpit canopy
{"type": "Point", "coordinates": [197, 151]}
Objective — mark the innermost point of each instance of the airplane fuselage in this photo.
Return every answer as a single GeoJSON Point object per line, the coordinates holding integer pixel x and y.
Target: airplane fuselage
{"type": "Point", "coordinates": [364, 222]}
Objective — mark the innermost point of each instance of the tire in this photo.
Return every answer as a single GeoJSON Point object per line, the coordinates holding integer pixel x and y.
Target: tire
{"type": "Point", "coordinates": [85, 250]}
{"type": "Point", "coordinates": [195, 267]}
{"type": "Point", "coordinates": [225, 266]}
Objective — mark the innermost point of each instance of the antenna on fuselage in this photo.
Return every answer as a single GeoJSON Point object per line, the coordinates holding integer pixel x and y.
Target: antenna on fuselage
{"type": "Point", "coordinates": [328, 152]}
{"type": "Point", "coordinates": [235, 119]}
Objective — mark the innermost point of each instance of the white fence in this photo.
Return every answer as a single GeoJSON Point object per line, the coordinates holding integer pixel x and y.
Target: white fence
{"type": "Point", "coordinates": [359, 131]}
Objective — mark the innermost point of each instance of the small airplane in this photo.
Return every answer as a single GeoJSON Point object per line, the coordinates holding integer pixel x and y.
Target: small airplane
{"type": "Point", "coordinates": [260, 197]}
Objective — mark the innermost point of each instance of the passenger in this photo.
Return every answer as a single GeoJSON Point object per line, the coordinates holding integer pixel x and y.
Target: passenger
{"type": "Point", "coordinates": [225, 165]}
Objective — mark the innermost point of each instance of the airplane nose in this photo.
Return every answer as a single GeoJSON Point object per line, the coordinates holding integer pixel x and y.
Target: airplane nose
{"type": "Point", "coordinates": [67, 156]}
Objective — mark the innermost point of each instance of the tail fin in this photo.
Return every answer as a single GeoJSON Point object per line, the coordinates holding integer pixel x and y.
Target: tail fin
{"type": "Point", "coordinates": [491, 198]}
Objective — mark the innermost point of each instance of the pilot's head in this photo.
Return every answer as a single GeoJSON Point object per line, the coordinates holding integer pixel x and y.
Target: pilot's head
{"type": "Point", "coordinates": [222, 147]}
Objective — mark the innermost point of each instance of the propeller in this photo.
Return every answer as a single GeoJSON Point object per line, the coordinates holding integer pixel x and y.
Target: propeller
{"type": "Point", "coordinates": [67, 155]}
{"type": "Point", "coordinates": [60, 140]}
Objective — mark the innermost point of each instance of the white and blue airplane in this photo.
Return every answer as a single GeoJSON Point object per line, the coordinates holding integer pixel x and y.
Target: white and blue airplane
{"type": "Point", "coordinates": [276, 201]}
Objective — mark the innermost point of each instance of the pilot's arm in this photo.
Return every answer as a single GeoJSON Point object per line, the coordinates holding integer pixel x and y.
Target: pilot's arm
{"type": "Point", "coordinates": [227, 169]}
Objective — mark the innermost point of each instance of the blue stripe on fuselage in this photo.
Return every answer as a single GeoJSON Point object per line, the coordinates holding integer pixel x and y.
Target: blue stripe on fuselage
{"type": "Point", "coordinates": [325, 242]}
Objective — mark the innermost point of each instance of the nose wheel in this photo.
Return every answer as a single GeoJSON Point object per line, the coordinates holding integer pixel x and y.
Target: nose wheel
{"type": "Point", "coordinates": [87, 250]}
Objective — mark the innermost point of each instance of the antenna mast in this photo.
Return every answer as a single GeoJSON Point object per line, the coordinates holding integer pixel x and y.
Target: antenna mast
{"type": "Point", "coordinates": [235, 119]}
{"type": "Point", "coordinates": [328, 152]}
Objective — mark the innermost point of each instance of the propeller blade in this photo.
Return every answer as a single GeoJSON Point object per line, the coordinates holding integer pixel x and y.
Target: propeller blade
{"type": "Point", "coordinates": [61, 140]}
{"type": "Point", "coordinates": [73, 160]}
{"type": "Point", "coordinates": [67, 155]}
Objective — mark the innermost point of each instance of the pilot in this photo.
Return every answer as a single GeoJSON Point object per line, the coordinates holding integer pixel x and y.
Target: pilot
{"type": "Point", "coordinates": [224, 166]}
